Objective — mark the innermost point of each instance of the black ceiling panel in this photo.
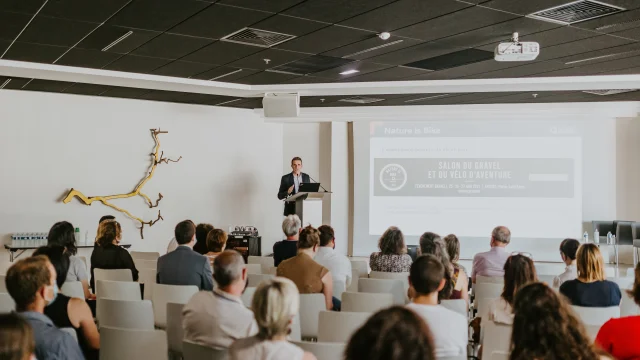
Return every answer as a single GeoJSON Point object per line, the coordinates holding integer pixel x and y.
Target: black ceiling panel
{"type": "Point", "coordinates": [86, 89]}
{"type": "Point", "coordinates": [466, 70]}
{"type": "Point", "coordinates": [22, 6]}
{"type": "Point", "coordinates": [106, 35]}
{"type": "Point", "coordinates": [124, 92]}
{"type": "Point", "coordinates": [34, 52]}
{"type": "Point", "coordinates": [139, 64]}
{"type": "Point", "coordinates": [307, 79]}
{"type": "Point", "coordinates": [181, 68]}
{"type": "Point", "coordinates": [250, 103]}
{"type": "Point", "coordinates": [581, 46]}
{"type": "Point", "coordinates": [633, 33]}
{"type": "Point", "coordinates": [224, 73]}
{"type": "Point", "coordinates": [47, 85]}
{"type": "Point", "coordinates": [326, 39]}
{"type": "Point", "coordinates": [363, 67]}
{"type": "Point", "coordinates": [270, 5]}
{"type": "Point", "coordinates": [333, 11]}
{"type": "Point", "coordinates": [612, 23]}
{"type": "Point", "coordinates": [87, 58]}
{"type": "Point", "coordinates": [157, 15]}
{"type": "Point", "coordinates": [403, 13]}
{"type": "Point", "coordinates": [53, 31]}
{"type": "Point", "coordinates": [11, 24]}
{"type": "Point", "coordinates": [415, 53]}
{"type": "Point", "coordinates": [96, 11]}
{"type": "Point", "coordinates": [222, 52]}
{"type": "Point", "coordinates": [14, 83]}
{"type": "Point", "coordinates": [607, 54]}
{"type": "Point", "coordinates": [560, 35]}
{"type": "Point", "coordinates": [374, 46]}
{"type": "Point", "coordinates": [289, 25]}
{"type": "Point", "coordinates": [451, 60]}
{"type": "Point", "coordinates": [276, 58]}
{"type": "Point", "coordinates": [539, 67]}
{"type": "Point", "coordinates": [170, 46]}
{"type": "Point", "coordinates": [633, 70]}
{"type": "Point", "coordinates": [218, 21]}
{"type": "Point", "coordinates": [390, 74]}
{"type": "Point", "coordinates": [160, 95]}
{"type": "Point", "coordinates": [264, 78]}
{"type": "Point", "coordinates": [204, 99]}
{"type": "Point", "coordinates": [312, 64]}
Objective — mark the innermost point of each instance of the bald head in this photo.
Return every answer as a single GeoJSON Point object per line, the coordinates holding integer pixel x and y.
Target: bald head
{"type": "Point", "coordinates": [501, 235]}
{"type": "Point", "coordinates": [228, 268]}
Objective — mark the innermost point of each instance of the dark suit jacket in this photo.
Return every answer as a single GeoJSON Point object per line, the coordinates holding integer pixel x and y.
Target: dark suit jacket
{"type": "Point", "coordinates": [183, 266]}
{"type": "Point", "coordinates": [285, 184]}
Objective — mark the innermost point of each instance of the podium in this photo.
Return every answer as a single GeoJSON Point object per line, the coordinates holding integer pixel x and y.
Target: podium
{"type": "Point", "coordinates": [299, 199]}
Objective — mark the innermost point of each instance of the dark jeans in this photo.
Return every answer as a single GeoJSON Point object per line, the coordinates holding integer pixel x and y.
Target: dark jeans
{"type": "Point", "coordinates": [337, 304]}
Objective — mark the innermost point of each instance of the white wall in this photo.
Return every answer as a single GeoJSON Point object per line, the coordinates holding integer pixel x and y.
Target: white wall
{"type": "Point", "coordinates": [302, 140]}
{"type": "Point", "coordinates": [49, 143]}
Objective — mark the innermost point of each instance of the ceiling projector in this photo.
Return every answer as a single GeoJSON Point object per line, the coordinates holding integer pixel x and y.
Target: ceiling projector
{"type": "Point", "coordinates": [517, 51]}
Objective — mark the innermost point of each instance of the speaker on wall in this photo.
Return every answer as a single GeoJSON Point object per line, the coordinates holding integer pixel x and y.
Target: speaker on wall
{"type": "Point", "coordinates": [281, 105]}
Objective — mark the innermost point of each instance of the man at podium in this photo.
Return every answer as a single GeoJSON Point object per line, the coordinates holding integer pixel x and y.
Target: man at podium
{"type": "Point", "coordinates": [290, 183]}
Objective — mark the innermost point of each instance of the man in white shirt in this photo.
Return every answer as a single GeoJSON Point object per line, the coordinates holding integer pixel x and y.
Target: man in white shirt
{"type": "Point", "coordinates": [568, 250]}
{"type": "Point", "coordinates": [449, 328]}
{"type": "Point", "coordinates": [338, 264]}
{"type": "Point", "coordinates": [491, 263]}
{"type": "Point", "coordinates": [217, 318]}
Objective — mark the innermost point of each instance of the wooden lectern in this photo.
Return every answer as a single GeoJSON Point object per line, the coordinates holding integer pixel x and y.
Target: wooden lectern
{"type": "Point", "coordinates": [300, 197]}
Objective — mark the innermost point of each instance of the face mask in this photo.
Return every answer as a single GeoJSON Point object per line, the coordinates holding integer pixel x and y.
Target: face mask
{"type": "Point", "coordinates": [55, 294]}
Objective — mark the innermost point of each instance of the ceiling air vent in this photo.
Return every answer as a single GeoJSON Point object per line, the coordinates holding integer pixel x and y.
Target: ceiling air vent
{"type": "Point", "coordinates": [361, 100]}
{"type": "Point", "coordinates": [609, 92]}
{"type": "Point", "coordinates": [257, 37]}
{"type": "Point", "coordinates": [576, 11]}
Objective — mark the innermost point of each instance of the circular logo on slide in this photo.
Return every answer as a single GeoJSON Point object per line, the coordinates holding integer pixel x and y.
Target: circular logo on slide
{"type": "Point", "coordinates": [393, 177]}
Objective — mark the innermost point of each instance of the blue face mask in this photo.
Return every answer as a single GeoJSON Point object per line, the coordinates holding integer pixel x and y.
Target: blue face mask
{"type": "Point", "coordinates": [55, 294]}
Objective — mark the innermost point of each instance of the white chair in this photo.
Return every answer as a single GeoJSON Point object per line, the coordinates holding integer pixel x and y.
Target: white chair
{"type": "Point", "coordinates": [254, 268]}
{"type": "Point", "coordinates": [6, 303]}
{"type": "Point", "coordinates": [497, 337]}
{"type": "Point", "coordinates": [487, 291]}
{"type": "Point", "coordinates": [247, 296]}
{"type": "Point", "coordinates": [163, 294]}
{"type": "Point", "coordinates": [628, 306]}
{"type": "Point", "coordinates": [490, 279]}
{"type": "Point", "coordinates": [403, 276]}
{"type": "Point", "coordinates": [322, 351]}
{"type": "Point", "coordinates": [73, 289]}
{"type": "Point", "coordinates": [592, 331]}
{"type": "Point", "coordinates": [355, 276]}
{"type": "Point", "coordinates": [365, 302]}
{"type": "Point", "coordinates": [339, 326]}
{"type": "Point", "coordinates": [112, 274]}
{"type": "Point", "coordinates": [499, 355]}
{"type": "Point", "coordinates": [457, 305]}
{"type": "Point", "coordinates": [148, 278]}
{"type": "Point", "coordinates": [117, 290]}
{"type": "Point", "coordinates": [143, 255]}
{"type": "Point", "coordinates": [458, 357]}
{"type": "Point", "coordinates": [270, 270]}
{"type": "Point", "coordinates": [3, 284]}
{"type": "Point", "coordinates": [146, 264]}
{"type": "Point", "coordinates": [596, 316]}
{"type": "Point", "coordinates": [126, 314]}
{"type": "Point", "coordinates": [393, 287]}
{"type": "Point", "coordinates": [361, 267]}
{"type": "Point", "coordinates": [267, 262]}
{"type": "Point", "coordinates": [296, 332]}
{"type": "Point", "coordinates": [624, 283]}
{"type": "Point", "coordinates": [255, 279]}
{"type": "Point", "coordinates": [310, 307]}
{"type": "Point", "coordinates": [175, 333]}
{"type": "Point", "coordinates": [482, 306]}
{"type": "Point", "coordinates": [128, 344]}
{"type": "Point", "coordinates": [191, 351]}
{"type": "Point", "coordinates": [338, 288]}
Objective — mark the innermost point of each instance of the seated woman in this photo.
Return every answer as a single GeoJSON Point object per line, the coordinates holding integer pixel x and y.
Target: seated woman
{"type": "Point", "coordinates": [545, 327]}
{"type": "Point", "coordinates": [568, 250]}
{"type": "Point", "coordinates": [216, 243]}
{"type": "Point", "coordinates": [62, 234]}
{"type": "Point", "coordinates": [618, 337]}
{"type": "Point", "coordinates": [453, 249]}
{"type": "Point", "coordinates": [66, 312]}
{"type": "Point", "coordinates": [591, 288]}
{"type": "Point", "coordinates": [309, 276]}
{"type": "Point", "coordinates": [275, 303]}
{"type": "Point", "coordinates": [456, 282]}
{"type": "Point", "coordinates": [108, 254]}
{"type": "Point", "coordinates": [392, 256]}
{"type": "Point", "coordinates": [202, 230]}
{"type": "Point", "coordinates": [519, 271]}
{"type": "Point", "coordinates": [17, 341]}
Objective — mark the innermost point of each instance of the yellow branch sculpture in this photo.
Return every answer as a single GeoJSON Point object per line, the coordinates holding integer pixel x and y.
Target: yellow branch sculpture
{"type": "Point", "coordinates": [157, 159]}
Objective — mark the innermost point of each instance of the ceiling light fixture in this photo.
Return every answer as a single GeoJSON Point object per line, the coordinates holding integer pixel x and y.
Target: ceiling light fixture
{"type": "Point", "coordinates": [349, 72]}
{"type": "Point", "coordinates": [384, 35]}
{"type": "Point", "coordinates": [426, 98]}
{"type": "Point", "coordinates": [117, 41]}
{"type": "Point", "coordinates": [5, 83]}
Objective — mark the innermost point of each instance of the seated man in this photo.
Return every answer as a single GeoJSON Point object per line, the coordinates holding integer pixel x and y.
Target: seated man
{"type": "Point", "coordinates": [338, 264]}
{"type": "Point", "coordinates": [285, 249]}
{"type": "Point", "coordinates": [449, 329]}
{"type": "Point", "coordinates": [32, 285]}
{"type": "Point", "coordinates": [568, 250]}
{"type": "Point", "coordinates": [183, 266]}
{"type": "Point", "coordinates": [216, 319]}
{"type": "Point", "coordinates": [491, 263]}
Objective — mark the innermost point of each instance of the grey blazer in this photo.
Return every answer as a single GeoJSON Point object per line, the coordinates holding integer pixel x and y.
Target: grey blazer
{"type": "Point", "coordinates": [183, 266]}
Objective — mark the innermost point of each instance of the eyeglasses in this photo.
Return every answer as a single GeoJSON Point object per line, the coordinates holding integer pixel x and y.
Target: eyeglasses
{"type": "Point", "coordinates": [525, 254]}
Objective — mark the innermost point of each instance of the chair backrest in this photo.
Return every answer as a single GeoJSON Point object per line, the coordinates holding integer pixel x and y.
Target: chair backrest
{"type": "Point", "coordinates": [339, 326]}
{"type": "Point", "coordinates": [126, 314]}
{"type": "Point", "coordinates": [254, 268]}
{"type": "Point", "coordinates": [322, 351]}
{"type": "Point", "coordinates": [146, 264]}
{"type": "Point", "coordinates": [266, 262]}
{"type": "Point", "coordinates": [148, 278]}
{"type": "Point", "coordinates": [6, 303]}
{"type": "Point", "coordinates": [355, 277]}
{"type": "Point", "coordinates": [499, 355]}
{"type": "Point", "coordinates": [73, 289]}
{"type": "Point", "coordinates": [118, 290]}
{"type": "Point", "coordinates": [457, 305]}
{"type": "Point", "coordinates": [393, 287]}
{"type": "Point", "coordinates": [487, 291]}
{"type": "Point", "coordinates": [129, 344]}
{"type": "Point", "coordinates": [624, 232]}
{"type": "Point", "coordinates": [489, 279]}
{"type": "Point", "coordinates": [339, 287]}
{"type": "Point", "coordinates": [247, 296]}
{"type": "Point", "coordinates": [365, 302]}
{"type": "Point", "coordinates": [402, 276]}
{"type": "Point", "coordinates": [455, 357]}
{"type": "Point", "coordinates": [310, 307]}
{"type": "Point", "coordinates": [3, 284]}
{"type": "Point", "coordinates": [175, 333]}
{"type": "Point", "coordinates": [497, 337]}
{"type": "Point", "coordinates": [163, 294]}
{"type": "Point", "coordinates": [143, 255]}
{"type": "Point", "coordinates": [482, 306]}
{"type": "Point", "coordinates": [192, 351]}
{"type": "Point", "coordinates": [596, 316]}
{"type": "Point", "coordinates": [112, 274]}
{"type": "Point", "coordinates": [361, 267]}
{"type": "Point", "coordinates": [623, 282]}
{"type": "Point", "coordinates": [628, 306]}
{"type": "Point", "coordinates": [592, 331]}
{"type": "Point", "coordinates": [255, 279]}
{"type": "Point", "coordinates": [296, 332]}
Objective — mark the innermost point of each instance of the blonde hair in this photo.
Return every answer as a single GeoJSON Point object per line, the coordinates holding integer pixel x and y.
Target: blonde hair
{"type": "Point", "coordinates": [590, 263]}
{"type": "Point", "coordinates": [108, 231]}
{"type": "Point", "coordinates": [275, 303]}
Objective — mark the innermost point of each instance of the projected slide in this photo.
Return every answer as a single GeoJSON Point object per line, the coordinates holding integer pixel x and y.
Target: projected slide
{"type": "Point", "coordinates": [471, 176]}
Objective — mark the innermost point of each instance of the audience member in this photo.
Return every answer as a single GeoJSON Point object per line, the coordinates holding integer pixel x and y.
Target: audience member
{"type": "Point", "coordinates": [217, 318]}
{"type": "Point", "coordinates": [16, 338]}
{"type": "Point", "coordinates": [216, 243]}
{"type": "Point", "coordinates": [590, 288]}
{"type": "Point", "coordinates": [392, 256]}
{"type": "Point", "coordinates": [173, 244]}
{"type": "Point", "coordinates": [618, 336]}
{"type": "Point", "coordinates": [431, 243]}
{"type": "Point", "coordinates": [185, 266]}
{"type": "Point", "coordinates": [62, 234]}
{"type": "Point", "coordinates": [108, 254]}
{"type": "Point", "coordinates": [338, 264]}
{"type": "Point", "coordinates": [31, 283]}
{"type": "Point", "coordinates": [288, 248]}
{"type": "Point", "coordinates": [309, 276]}
{"type": "Point", "coordinates": [568, 250]}
{"type": "Point", "coordinates": [544, 327]}
{"type": "Point", "coordinates": [395, 333]}
{"type": "Point", "coordinates": [518, 272]}
{"type": "Point", "coordinates": [275, 303]}
{"type": "Point", "coordinates": [67, 312]}
{"type": "Point", "coordinates": [106, 217]}
{"type": "Point", "coordinates": [427, 279]}
{"type": "Point", "coordinates": [453, 249]}
{"type": "Point", "coordinates": [202, 230]}
{"type": "Point", "coordinates": [491, 263]}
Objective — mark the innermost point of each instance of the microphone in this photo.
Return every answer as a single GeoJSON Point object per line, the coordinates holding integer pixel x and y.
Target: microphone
{"type": "Point", "coordinates": [325, 190]}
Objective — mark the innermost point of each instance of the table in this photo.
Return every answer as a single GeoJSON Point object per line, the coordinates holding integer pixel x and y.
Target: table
{"type": "Point", "coordinates": [22, 249]}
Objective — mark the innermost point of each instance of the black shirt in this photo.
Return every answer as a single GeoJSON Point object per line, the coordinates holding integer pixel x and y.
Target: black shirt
{"type": "Point", "coordinates": [283, 250]}
{"type": "Point", "coordinates": [111, 257]}
{"type": "Point", "coordinates": [596, 294]}
{"type": "Point", "coordinates": [58, 312]}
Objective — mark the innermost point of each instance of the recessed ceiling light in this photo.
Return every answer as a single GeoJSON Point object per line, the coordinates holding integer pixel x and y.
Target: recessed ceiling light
{"type": "Point", "coordinates": [348, 72]}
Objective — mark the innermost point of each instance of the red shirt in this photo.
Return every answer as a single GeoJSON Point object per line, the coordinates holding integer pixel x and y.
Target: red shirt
{"type": "Point", "coordinates": [619, 337]}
